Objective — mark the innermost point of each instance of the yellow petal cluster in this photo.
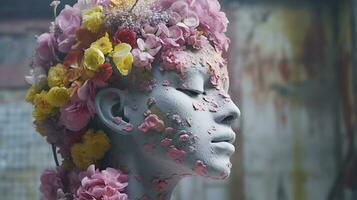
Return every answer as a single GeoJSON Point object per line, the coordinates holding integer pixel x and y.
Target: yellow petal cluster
{"type": "Point", "coordinates": [56, 76]}
{"type": "Point", "coordinates": [31, 93]}
{"type": "Point", "coordinates": [42, 107]}
{"type": "Point", "coordinates": [58, 96]}
{"type": "Point", "coordinates": [93, 58]}
{"type": "Point", "coordinates": [103, 44]}
{"type": "Point", "coordinates": [93, 18]}
{"type": "Point", "coordinates": [122, 58]}
{"type": "Point", "coordinates": [93, 148]}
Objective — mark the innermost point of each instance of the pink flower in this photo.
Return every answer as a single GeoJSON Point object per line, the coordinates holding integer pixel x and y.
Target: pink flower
{"type": "Point", "coordinates": [46, 51]}
{"type": "Point", "coordinates": [148, 29]}
{"type": "Point", "coordinates": [197, 41]}
{"type": "Point", "coordinates": [69, 20]}
{"type": "Point", "coordinates": [51, 182]}
{"type": "Point", "coordinates": [108, 184]}
{"type": "Point", "coordinates": [77, 114]}
{"type": "Point", "coordinates": [144, 55]}
{"type": "Point", "coordinates": [171, 37]}
{"type": "Point", "coordinates": [180, 13]}
{"type": "Point", "coordinates": [211, 20]}
{"type": "Point", "coordinates": [142, 59]}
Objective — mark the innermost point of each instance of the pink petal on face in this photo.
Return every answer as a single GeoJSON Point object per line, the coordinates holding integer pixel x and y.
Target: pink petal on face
{"type": "Point", "coordinates": [117, 120]}
{"type": "Point", "coordinates": [200, 168]}
{"type": "Point", "coordinates": [175, 153]}
{"type": "Point", "coordinates": [152, 122]}
{"type": "Point", "coordinates": [211, 130]}
{"type": "Point", "coordinates": [151, 101]}
{"type": "Point", "coordinates": [169, 131]}
{"type": "Point", "coordinates": [184, 137]}
{"type": "Point", "coordinates": [166, 142]}
{"type": "Point", "coordinates": [128, 127]}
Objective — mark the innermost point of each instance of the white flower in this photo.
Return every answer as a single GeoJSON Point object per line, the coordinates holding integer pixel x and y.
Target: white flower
{"type": "Point", "coordinates": [37, 76]}
{"type": "Point", "coordinates": [55, 3]}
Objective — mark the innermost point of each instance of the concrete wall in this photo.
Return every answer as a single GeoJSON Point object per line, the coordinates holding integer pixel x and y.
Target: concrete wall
{"type": "Point", "coordinates": [287, 71]}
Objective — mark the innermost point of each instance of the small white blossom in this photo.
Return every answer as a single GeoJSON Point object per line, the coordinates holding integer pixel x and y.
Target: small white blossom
{"type": "Point", "coordinates": [37, 76]}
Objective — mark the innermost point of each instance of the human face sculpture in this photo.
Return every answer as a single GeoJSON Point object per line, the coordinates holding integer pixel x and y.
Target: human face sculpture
{"type": "Point", "coordinates": [182, 119]}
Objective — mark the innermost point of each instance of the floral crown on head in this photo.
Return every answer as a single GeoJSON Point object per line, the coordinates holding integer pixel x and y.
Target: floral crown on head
{"type": "Point", "coordinates": [90, 42]}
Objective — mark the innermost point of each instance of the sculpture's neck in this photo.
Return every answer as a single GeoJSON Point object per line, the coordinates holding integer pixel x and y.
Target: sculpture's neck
{"type": "Point", "coordinates": [147, 180]}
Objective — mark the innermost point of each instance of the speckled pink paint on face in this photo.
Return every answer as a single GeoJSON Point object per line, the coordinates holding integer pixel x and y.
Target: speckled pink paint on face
{"type": "Point", "coordinates": [211, 130]}
{"type": "Point", "coordinates": [152, 123]}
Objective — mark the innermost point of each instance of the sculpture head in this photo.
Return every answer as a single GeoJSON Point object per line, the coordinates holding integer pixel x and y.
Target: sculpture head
{"type": "Point", "coordinates": [179, 119]}
{"type": "Point", "coordinates": [127, 83]}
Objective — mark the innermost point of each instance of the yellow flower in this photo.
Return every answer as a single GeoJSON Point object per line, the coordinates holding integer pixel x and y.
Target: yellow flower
{"type": "Point", "coordinates": [41, 103]}
{"type": "Point", "coordinates": [122, 58]}
{"type": "Point", "coordinates": [57, 96]}
{"type": "Point", "coordinates": [93, 18]}
{"type": "Point", "coordinates": [31, 92]}
{"type": "Point", "coordinates": [39, 116]}
{"type": "Point", "coordinates": [103, 44]}
{"type": "Point", "coordinates": [43, 108]}
{"type": "Point", "coordinates": [93, 148]}
{"type": "Point", "coordinates": [56, 76]}
{"type": "Point", "coordinates": [97, 143]}
{"type": "Point", "coordinates": [80, 156]}
{"type": "Point", "coordinates": [93, 58]}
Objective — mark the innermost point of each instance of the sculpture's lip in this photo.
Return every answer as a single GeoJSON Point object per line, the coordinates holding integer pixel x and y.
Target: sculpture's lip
{"type": "Point", "coordinates": [229, 137]}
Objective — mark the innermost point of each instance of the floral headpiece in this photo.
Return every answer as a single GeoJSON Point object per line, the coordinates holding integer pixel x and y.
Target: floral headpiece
{"type": "Point", "coordinates": [87, 45]}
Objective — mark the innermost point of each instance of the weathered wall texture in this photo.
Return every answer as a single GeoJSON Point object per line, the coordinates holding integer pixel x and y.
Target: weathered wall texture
{"type": "Point", "coordinates": [287, 68]}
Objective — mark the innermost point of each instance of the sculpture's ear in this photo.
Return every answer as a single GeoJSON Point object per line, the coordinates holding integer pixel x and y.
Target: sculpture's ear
{"type": "Point", "coordinates": [109, 105]}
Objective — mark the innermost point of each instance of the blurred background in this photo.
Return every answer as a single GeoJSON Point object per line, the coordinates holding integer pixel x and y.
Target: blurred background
{"type": "Point", "coordinates": [293, 70]}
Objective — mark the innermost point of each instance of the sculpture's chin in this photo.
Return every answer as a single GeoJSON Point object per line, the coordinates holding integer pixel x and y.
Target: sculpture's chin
{"type": "Point", "coordinates": [219, 168]}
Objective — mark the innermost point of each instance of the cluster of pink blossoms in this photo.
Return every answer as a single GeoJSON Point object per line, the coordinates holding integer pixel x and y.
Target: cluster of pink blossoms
{"type": "Point", "coordinates": [87, 185]}
{"type": "Point", "coordinates": [80, 54]}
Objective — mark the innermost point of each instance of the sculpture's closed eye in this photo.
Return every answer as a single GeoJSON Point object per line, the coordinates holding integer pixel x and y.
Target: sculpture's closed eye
{"type": "Point", "coordinates": [190, 92]}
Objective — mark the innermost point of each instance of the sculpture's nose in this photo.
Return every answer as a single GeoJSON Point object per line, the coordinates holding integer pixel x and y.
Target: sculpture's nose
{"type": "Point", "coordinates": [229, 114]}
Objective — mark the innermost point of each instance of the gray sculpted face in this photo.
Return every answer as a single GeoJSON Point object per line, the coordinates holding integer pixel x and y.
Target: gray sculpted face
{"type": "Point", "coordinates": [179, 120]}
